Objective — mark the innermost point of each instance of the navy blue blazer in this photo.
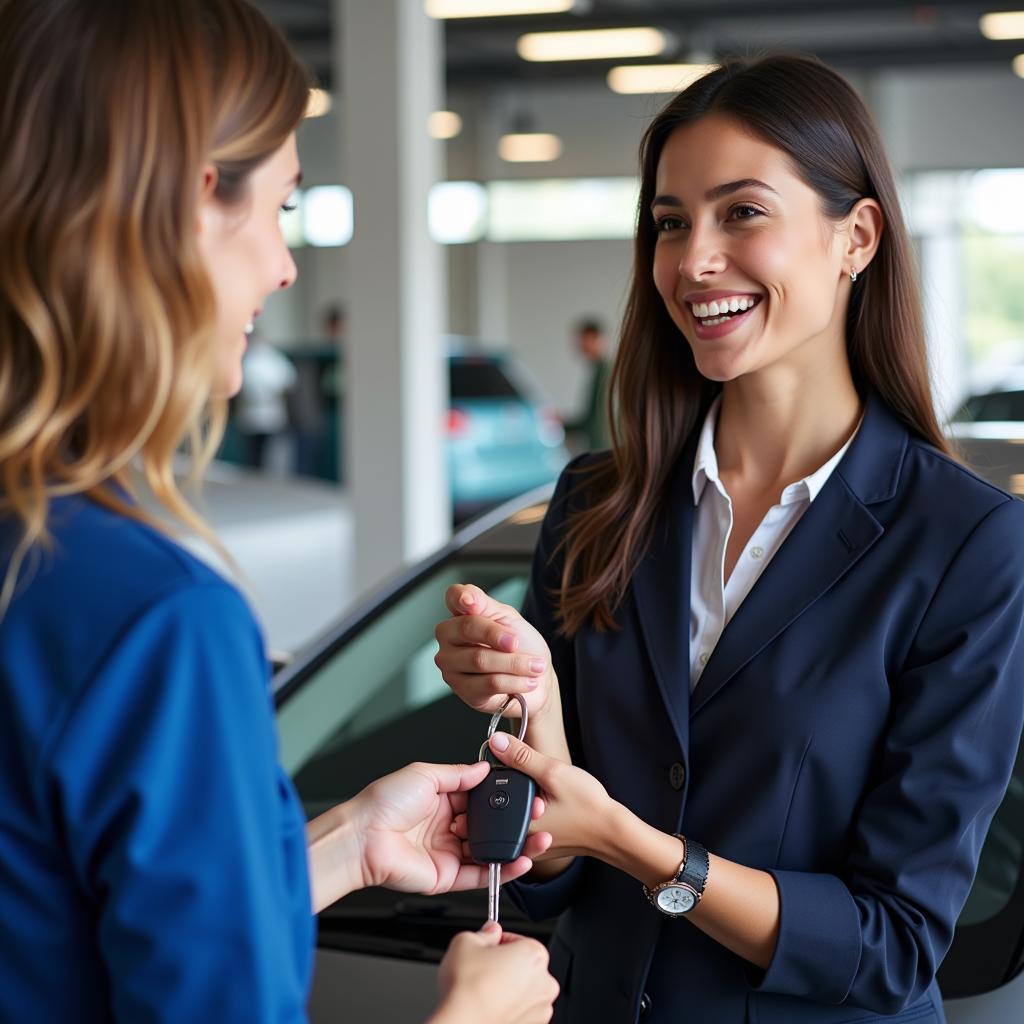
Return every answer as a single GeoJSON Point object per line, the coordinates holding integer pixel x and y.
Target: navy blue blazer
{"type": "Point", "coordinates": [853, 733]}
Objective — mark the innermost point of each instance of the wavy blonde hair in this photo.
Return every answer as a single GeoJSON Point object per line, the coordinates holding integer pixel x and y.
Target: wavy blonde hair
{"type": "Point", "coordinates": [108, 113]}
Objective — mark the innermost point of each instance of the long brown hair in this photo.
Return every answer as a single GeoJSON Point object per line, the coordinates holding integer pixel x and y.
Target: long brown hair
{"type": "Point", "coordinates": [812, 114]}
{"type": "Point", "coordinates": [108, 113]}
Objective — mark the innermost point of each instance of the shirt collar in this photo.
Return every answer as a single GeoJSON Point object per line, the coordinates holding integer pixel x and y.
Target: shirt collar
{"type": "Point", "coordinates": [705, 464]}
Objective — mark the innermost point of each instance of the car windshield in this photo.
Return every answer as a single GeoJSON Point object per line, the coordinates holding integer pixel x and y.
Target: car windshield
{"type": "Point", "coordinates": [380, 702]}
{"type": "Point", "coordinates": [479, 378]}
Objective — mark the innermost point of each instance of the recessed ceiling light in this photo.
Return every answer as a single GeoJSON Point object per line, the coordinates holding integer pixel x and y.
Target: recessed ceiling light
{"type": "Point", "coordinates": [649, 78]}
{"type": "Point", "coordinates": [595, 44]}
{"type": "Point", "coordinates": [444, 124]}
{"type": "Point", "coordinates": [1018, 65]}
{"type": "Point", "coordinates": [529, 147]}
{"type": "Point", "coordinates": [494, 8]}
{"type": "Point", "coordinates": [1002, 25]}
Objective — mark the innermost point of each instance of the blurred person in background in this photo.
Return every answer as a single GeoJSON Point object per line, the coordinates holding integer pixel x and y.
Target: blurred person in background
{"type": "Point", "coordinates": [591, 424]}
{"type": "Point", "coordinates": [262, 405]}
{"type": "Point", "coordinates": [156, 861]}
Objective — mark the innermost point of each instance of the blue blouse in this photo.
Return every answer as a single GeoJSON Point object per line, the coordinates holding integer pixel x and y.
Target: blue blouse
{"type": "Point", "coordinates": [152, 850]}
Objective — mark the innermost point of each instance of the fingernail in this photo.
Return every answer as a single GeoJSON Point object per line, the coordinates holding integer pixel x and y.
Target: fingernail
{"type": "Point", "coordinates": [507, 642]}
{"type": "Point", "coordinates": [537, 666]}
{"type": "Point", "coordinates": [532, 684]}
{"type": "Point", "coordinates": [499, 741]}
{"type": "Point", "coordinates": [466, 599]}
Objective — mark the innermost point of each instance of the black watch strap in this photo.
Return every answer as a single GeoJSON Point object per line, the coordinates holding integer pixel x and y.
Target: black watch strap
{"type": "Point", "coordinates": [695, 867]}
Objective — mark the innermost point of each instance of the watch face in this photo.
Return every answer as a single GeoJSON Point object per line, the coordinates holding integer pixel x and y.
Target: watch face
{"type": "Point", "coordinates": [676, 899]}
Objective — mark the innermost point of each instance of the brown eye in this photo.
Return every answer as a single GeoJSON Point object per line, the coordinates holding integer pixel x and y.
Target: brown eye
{"type": "Point", "coordinates": [664, 224]}
{"type": "Point", "coordinates": [745, 212]}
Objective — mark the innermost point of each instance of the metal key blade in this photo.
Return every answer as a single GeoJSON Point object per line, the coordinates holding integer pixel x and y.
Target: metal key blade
{"type": "Point", "coordinates": [493, 891]}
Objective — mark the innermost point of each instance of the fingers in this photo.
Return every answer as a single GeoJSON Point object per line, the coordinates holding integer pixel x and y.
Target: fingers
{"type": "Point", "coordinates": [453, 778]}
{"type": "Point", "coordinates": [509, 872]}
{"type": "Point", "coordinates": [468, 599]}
{"type": "Point", "coordinates": [512, 751]}
{"type": "Point", "coordinates": [477, 629]}
{"type": "Point", "coordinates": [478, 660]}
{"type": "Point", "coordinates": [474, 876]}
{"type": "Point", "coordinates": [473, 646]}
{"type": "Point", "coordinates": [538, 809]}
{"type": "Point", "coordinates": [537, 844]}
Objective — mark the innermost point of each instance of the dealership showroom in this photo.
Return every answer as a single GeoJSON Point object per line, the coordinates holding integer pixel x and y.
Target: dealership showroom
{"type": "Point", "coordinates": [584, 344]}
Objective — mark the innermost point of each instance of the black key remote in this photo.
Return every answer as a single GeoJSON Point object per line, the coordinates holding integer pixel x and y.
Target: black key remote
{"type": "Point", "coordinates": [498, 815]}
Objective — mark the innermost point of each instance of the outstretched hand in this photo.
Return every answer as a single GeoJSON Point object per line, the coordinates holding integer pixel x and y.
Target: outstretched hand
{"type": "Point", "coordinates": [577, 808]}
{"type": "Point", "coordinates": [405, 829]}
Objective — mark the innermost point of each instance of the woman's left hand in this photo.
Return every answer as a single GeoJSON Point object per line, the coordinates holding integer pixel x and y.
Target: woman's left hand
{"type": "Point", "coordinates": [577, 809]}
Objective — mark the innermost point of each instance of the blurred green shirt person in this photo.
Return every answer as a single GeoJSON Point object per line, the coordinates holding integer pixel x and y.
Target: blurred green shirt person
{"type": "Point", "coordinates": [592, 423]}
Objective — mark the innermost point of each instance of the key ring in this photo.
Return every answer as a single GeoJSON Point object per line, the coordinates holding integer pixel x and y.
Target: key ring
{"type": "Point", "coordinates": [497, 716]}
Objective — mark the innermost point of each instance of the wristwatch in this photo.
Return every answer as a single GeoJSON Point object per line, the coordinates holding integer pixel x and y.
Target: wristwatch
{"type": "Point", "coordinates": [680, 894]}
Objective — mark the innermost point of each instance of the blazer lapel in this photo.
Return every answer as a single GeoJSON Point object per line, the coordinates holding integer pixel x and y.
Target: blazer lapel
{"type": "Point", "coordinates": [833, 534]}
{"type": "Point", "coordinates": [830, 537]}
{"type": "Point", "coordinates": [661, 589]}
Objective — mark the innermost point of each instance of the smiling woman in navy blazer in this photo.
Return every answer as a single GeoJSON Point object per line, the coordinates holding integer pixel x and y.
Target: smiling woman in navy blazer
{"type": "Point", "coordinates": [779, 624]}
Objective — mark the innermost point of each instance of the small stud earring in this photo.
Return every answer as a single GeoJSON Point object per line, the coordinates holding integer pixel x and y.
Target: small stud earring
{"type": "Point", "coordinates": [853, 275]}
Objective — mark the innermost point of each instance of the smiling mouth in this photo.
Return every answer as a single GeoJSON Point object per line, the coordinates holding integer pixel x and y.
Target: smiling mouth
{"type": "Point", "coordinates": [720, 311]}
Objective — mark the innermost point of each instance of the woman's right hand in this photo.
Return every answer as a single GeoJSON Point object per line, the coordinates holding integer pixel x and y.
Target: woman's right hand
{"type": "Point", "coordinates": [495, 977]}
{"type": "Point", "coordinates": [487, 650]}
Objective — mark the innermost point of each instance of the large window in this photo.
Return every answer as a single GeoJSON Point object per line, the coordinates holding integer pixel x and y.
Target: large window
{"type": "Point", "coordinates": [970, 230]}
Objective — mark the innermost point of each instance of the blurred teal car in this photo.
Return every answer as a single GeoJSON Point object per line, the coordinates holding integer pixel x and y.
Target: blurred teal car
{"type": "Point", "coordinates": [503, 438]}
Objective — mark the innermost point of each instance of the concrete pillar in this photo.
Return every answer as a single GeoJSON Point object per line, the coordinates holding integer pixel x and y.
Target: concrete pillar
{"type": "Point", "coordinates": [388, 60]}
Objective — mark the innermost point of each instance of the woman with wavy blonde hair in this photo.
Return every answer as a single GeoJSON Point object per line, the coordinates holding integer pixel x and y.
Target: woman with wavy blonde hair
{"type": "Point", "coordinates": [155, 862]}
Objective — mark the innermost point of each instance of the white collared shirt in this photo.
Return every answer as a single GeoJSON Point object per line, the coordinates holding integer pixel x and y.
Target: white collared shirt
{"type": "Point", "coordinates": [713, 602]}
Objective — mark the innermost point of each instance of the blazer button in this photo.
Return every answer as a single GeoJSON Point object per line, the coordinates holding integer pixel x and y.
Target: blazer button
{"type": "Point", "coordinates": [645, 1006]}
{"type": "Point", "coordinates": [677, 775]}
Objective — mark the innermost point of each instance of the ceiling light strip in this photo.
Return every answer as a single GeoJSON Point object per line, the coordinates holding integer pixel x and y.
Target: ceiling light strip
{"type": "Point", "coordinates": [595, 44]}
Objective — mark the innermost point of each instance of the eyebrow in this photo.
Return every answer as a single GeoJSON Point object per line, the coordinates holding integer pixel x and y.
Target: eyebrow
{"type": "Point", "coordinates": [296, 181]}
{"type": "Point", "coordinates": [718, 192]}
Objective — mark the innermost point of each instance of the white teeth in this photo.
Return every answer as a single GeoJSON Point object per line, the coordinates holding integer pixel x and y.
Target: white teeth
{"type": "Point", "coordinates": [250, 327]}
{"type": "Point", "coordinates": [732, 304]}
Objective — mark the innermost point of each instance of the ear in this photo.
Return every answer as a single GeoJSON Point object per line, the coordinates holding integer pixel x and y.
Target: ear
{"type": "Point", "coordinates": [205, 199]}
{"type": "Point", "coordinates": [864, 227]}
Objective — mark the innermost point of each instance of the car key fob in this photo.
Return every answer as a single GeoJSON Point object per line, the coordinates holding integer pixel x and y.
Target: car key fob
{"type": "Point", "coordinates": [498, 815]}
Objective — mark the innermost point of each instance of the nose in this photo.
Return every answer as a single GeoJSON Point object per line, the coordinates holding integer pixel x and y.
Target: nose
{"type": "Point", "coordinates": [287, 271]}
{"type": "Point", "coordinates": [702, 254]}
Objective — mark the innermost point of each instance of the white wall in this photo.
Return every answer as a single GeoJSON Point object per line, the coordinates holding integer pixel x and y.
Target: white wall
{"type": "Point", "coordinates": [527, 294]}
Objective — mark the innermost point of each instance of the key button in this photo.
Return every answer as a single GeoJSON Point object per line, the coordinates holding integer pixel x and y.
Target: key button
{"type": "Point", "coordinates": [499, 799]}
{"type": "Point", "coordinates": [677, 775]}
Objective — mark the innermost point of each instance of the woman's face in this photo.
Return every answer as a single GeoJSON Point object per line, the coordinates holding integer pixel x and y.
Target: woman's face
{"type": "Point", "coordinates": [749, 268]}
{"type": "Point", "coordinates": [246, 256]}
